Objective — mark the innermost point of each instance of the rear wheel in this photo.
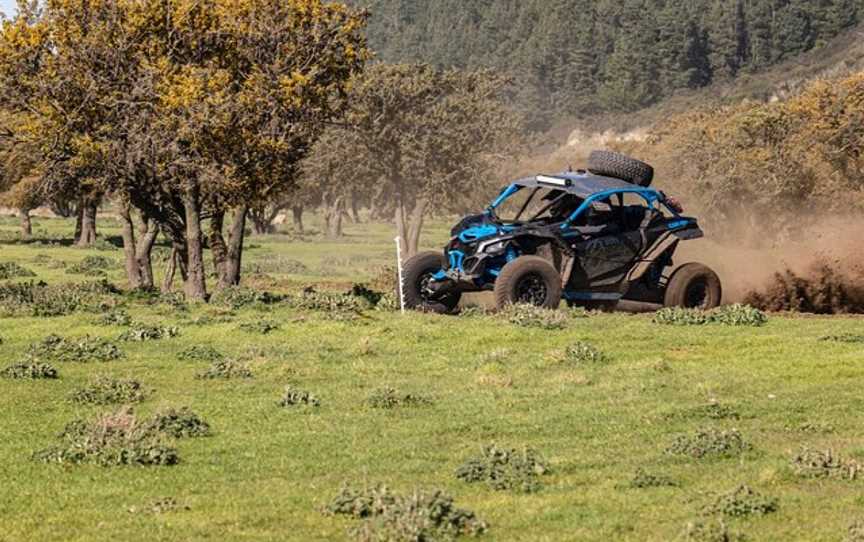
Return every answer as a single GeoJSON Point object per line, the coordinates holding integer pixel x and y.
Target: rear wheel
{"type": "Point", "coordinates": [693, 286]}
{"type": "Point", "coordinates": [417, 275]}
{"type": "Point", "coordinates": [528, 280]}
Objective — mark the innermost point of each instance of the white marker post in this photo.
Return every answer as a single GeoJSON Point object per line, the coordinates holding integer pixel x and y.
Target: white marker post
{"type": "Point", "coordinates": [399, 268]}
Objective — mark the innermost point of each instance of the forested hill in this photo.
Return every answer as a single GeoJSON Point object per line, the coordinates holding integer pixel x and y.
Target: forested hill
{"type": "Point", "coordinates": [576, 57]}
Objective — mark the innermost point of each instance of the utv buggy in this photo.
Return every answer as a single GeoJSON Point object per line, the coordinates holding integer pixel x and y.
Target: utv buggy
{"type": "Point", "coordinates": [590, 237]}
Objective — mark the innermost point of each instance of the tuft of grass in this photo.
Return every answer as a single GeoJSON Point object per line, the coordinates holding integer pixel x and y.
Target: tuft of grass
{"type": "Point", "coordinates": [225, 369]}
{"type": "Point", "coordinates": [845, 338]}
{"type": "Point", "coordinates": [710, 530]}
{"type": "Point", "coordinates": [505, 469]}
{"type": "Point", "coordinates": [530, 316]}
{"type": "Point", "coordinates": [117, 438]}
{"type": "Point", "coordinates": [264, 327]}
{"type": "Point", "coordinates": [294, 397]}
{"type": "Point", "coordinates": [387, 398]}
{"type": "Point", "coordinates": [160, 506]}
{"type": "Point", "coordinates": [10, 270]}
{"type": "Point", "coordinates": [182, 423]}
{"type": "Point", "coordinates": [678, 316]}
{"type": "Point", "coordinates": [238, 297]}
{"type": "Point", "coordinates": [201, 353]}
{"type": "Point", "coordinates": [742, 501]}
{"type": "Point", "coordinates": [810, 463]}
{"type": "Point", "coordinates": [583, 352]}
{"type": "Point", "coordinates": [643, 480]}
{"type": "Point", "coordinates": [81, 350]}
{"type": "Point", "coordinates": [419, 516]}
{"type": "Point", "coordinates": [106, 390]}
{"type": "Point", "coordinates": [117, 317]}
{"type": "Point", "coordinates": [32, 370]}
{"type": "Point", "coordinates": [139, 332]}
{"type": "Point", "coordinates": [709, 443]}
{"type": "Point", "coordinates": [91, 265]}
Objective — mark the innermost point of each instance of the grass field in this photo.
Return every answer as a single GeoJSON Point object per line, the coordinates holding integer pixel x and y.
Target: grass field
{"type": "Point", "coordinates": [266, 472]}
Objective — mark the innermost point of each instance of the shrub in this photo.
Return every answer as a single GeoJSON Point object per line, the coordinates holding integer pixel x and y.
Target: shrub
{"type": "Point", "coordinates": [179, 423]}
{"type": "Point", "coordinates": [329, 302]}
{"type": "Point", "coordinates": [709, 442]}
{"type": "Point", "coordinates": [263, 327]}
{"type": "Point", "coordinates": [201, 353]}
{"type": "Point", "coordinates": [81, 350]}
{"type": "Point", "coordinates": [531, 316]}
{"type": "Point", "coordinates": [716, 411]}
{"type": "Point", "coordinates": [29, 370]}
{"type": "Point", "coordinates": [39, 299]}
{"type": "Point", "coordinates": [106, 390]}
{"type": "Point", "coordinates": [738, 315]}
{"type": "Point", "coordinates": [678, 316]}
{"type": "Point", "coordinates": [238, 297]}
{"type": "Point", "coordinates": [362, 291]}
{"type": "Point", "coordinates": [809, 463]}
{"type": "Point", "coordinates": [582, 352]}
{"type": "Point", "coordinates": [505, 469]}
{"type": "Point", "coordinates": [419, 516]}
{"type": "Point", "coordinates": [138, 332]}
{"type": "Point", "coordinates": [10, 270]}
{"type": "Point", "coordinates": [642, 480]}
{"type": "Point", "coordinates": [388, 303]}
{"type": "Point", "coordinates": [91, 265]}
{"type": "Point", "coordinates": [112, 439]}
{"type": "Point", "coordinates": [707, 530]}
{"type": "Point", "coordinates": [117, 317]}
{"type": "Point", "coordinates": [225, 369]}
{"type": "Point", "coordinates": [294, 397]}
{"type": "Point", "coordinates": [387, 398]}
{"type": "Point", "coordinates": [742, 501]}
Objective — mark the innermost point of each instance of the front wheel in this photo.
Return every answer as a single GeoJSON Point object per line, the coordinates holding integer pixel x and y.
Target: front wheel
{"type": "Point", "coordinates": [693, 286]}
{"type": "Point", "coordinates": [528, 280]}
{"type": "Point", "coordinates": [417, 274]}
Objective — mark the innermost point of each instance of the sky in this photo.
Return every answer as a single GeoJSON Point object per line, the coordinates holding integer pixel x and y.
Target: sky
{"type": "Point", "coordinates": [7, 7]}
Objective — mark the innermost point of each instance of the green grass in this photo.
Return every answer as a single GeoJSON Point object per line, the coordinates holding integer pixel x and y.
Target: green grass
{"type": "Point", "coordinates": [267, 471]}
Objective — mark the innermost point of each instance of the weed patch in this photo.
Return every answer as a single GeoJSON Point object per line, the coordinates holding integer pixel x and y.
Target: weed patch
{"type": "Point", "coordinates": [116, 317]}
{"type": "Point", "coordinates": [111, 439]}
{"type": "Point", "coordinates": [225, 369]}
{"type": "Point", "coordinates": [846, 338]}
{"type": "Point", "coordinates": [274, 263]}
{"type": "Point", "coordinates": [201, 353]}
{"type": "Point", "coordinates": [139, 332]}
{"type": "Point", "coordinates": [264, 327]}
{"type": "Point", "coordinates": [505, 469]}
{"type": "Point", "coordinates": [337, 305]}
{"type": "Point", "coordinates": [41, 300]}
{"type": "Point", "coordinates": [710, 530]}
{"type": "Point", "coordinates": [810, 463]}
{"type": "Point", "coordinates": [531, 316]}
{"type": "Point", "coordinates": [729, 315]}
{"type": "Point", "coordinates": [106, 390]}
{"type": "Point", "coordinates": [387, 398]}
{"type": "Point", "coordinates": [709, 443]}
{"type": "Point", "coordinates": [32, 370]}
{"type": "Point", "coordinates": [81, 350]}
{"type": "Point", "coordinates": [644, 480]}
{"type": "Point", "coordinates": [237, 297]}
{"type": "Point", "coordinates": [161, 506]}
{"type": "Point", "coordinates": [182, 423]}
{"type": "Point", "coordinates": [295, 397]}
{"type": "Point", "coordinates": [742, 501]}
{"type": "Point", "coordinates": [91, 265]}
{"type": "Point", "coordinates": [583, 352]}
{"type": "Point", "coordinates": [419, 516]}
{"type": "Point", "coordinates": [10, 270]}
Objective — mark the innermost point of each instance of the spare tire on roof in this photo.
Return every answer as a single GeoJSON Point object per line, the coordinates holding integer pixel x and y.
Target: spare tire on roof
{"type": "Point", "coordinates": [613, 164]}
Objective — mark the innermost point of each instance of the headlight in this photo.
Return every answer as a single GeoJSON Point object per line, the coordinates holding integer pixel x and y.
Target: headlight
{"type": "Point", "coordinates": [495, 248]}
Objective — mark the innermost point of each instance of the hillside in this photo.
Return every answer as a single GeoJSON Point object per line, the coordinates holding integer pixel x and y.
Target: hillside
{"type": "Point", "coordinates": [571, 58]}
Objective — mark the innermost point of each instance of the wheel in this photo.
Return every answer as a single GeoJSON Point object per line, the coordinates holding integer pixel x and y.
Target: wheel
{"type": "Point", "coordinates": [613, 164]}
{"type": "Point", "coordinates": [531, 280]}
{"type": "Point", "coordinates": [416, 274]}
{"type": "Point", "coordinates": [693, 286]}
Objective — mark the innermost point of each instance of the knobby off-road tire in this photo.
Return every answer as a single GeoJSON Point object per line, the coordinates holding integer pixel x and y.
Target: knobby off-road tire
{"type": "Point", "coordinates": [530, 280]}
{"type": "Point", "coordinates": [693, 286]}
{"type": "Point", "coordinates": [416, 272]}
{"type": "Point", "coordinates": [613, 164]}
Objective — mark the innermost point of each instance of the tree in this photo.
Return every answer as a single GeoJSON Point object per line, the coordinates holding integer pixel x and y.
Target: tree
{"type": "Point", "coordinates": [427, 134]}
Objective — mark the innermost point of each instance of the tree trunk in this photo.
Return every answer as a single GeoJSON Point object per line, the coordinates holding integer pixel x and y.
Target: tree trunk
{"type": "Point", "coordinates": [170, 269]}
{"type": "Point", "coordinates": [401, 230]}
{"type": "Point", "coordinates": [133, 271]}
{"type": "Point", "coordinates": [79, 219]}
{"type": "Point", "coordinates": [333, 213]}
{"type": "Point", "coordinates": [88, 225]}
{"type": "Point", "coordinates": [195, 287]}
{"type": "Point", "coordinates": [262, 219]}
{"type": "Point", "coordinates": [217, 243]}
{"type": "Point", "coordinates": [26, 224]}
{"type": "Point", "coordinates": [230, 275]}
{"type": "Point", "coordinates": [297, 215]}
{"type": "Point", "coordinates": [355, 208]}
{"type": "Point", "coordinates": [143, 251]}
{"type": "Point", "coordinates": [415, 227]}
